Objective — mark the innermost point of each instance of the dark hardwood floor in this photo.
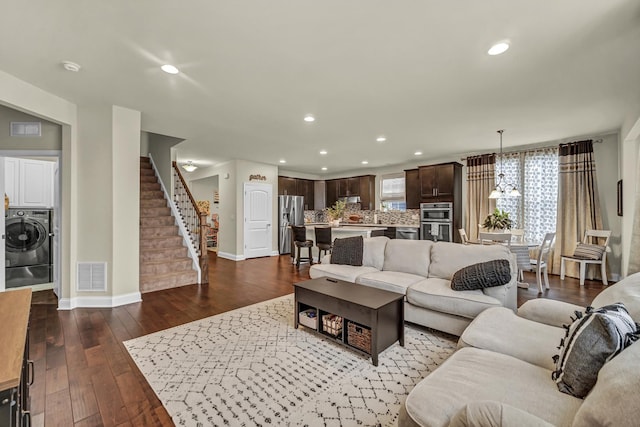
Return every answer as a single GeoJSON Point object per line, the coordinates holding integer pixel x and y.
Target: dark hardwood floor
{"type": "Point", "coordinates": [85, 377]}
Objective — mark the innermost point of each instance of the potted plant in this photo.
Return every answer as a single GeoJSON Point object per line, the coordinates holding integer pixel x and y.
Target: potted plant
{"type": "Point", "coordinates": [335, 212]}
{"type": "Point", "coordinates": [498, 220]}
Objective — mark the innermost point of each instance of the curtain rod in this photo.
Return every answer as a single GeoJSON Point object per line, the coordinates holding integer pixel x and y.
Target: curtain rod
{"type": "Point", "coordinates": [532, 150]}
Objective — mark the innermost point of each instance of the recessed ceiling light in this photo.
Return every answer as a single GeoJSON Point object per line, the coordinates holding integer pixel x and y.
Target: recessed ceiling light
{"type": "Point", "coordinates": [324, 168]}
{"type": "Point", "coordinates": [71, 66]}
{"type": "Point", "coordinates": [418, 153]}
{"type": "Point", "coordinates": [168, 68]}
{"type": "Point", "coordinates": [323, 152]}
{"type": "Point", "coordinates": [381, 138]}
{"type": "Point", "coordinates": [309, 118]}
{"type": "Point", "coordinates": [498, 48]}
{"type": "Point", "coordinates": [283, 161]}
{"type": "Point", "coordinates": [364, 162]}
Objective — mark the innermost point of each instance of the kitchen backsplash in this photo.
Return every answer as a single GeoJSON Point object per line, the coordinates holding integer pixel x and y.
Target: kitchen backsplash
{"type": "Point", "coordinates": [408, 217]}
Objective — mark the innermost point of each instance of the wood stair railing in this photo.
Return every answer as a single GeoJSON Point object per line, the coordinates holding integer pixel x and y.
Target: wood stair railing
{"type": "Point", "coordinates": [194, 220]}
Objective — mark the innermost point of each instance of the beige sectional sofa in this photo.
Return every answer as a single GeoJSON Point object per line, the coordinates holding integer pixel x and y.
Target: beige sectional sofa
{"type": "Point", "coordinates": [501, 373]}
{"type": "Point", "coordinates": [422, 271]}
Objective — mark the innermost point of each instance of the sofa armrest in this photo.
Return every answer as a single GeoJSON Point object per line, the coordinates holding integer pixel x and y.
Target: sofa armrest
{"type": "Point", "coordinates": [490, 413]}
{"type": "Point", "coordinates": [326, 259]}
{"type": "Point", "coordinates": [507, 294]}
{"type": "Point", "coordinates": [549, 312]}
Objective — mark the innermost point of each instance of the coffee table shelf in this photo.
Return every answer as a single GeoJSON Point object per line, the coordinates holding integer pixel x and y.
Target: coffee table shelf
{"type": "Point", "coordinates": [381, 312]}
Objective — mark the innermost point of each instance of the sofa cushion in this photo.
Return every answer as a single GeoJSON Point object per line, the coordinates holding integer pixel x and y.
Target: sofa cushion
{"type": "Point", "coordinates": [501, 330]}
{"type": "Point", "coordinates": [389, 280]}
{"type": "Point", "coordinates": [348, 273]}
{"type": "Point", "coordinates": [592, 340]}
{"type": "Point", "coordinates": [491, 413]}
{"type": "Point", "coordinates": [626, 291]}
{"type": "Point", "coordinates": [614, 399]}
{"type": "Point", "coordinates": [447, 257]}
{"type": "Point", "coordinates": [496, 272]}
{"type": "Point", "coordinates": [471, 374]}
{"type": "Point", "coordinates": [436, 294]}
{"type": "Point", "coordinates": [373, 251]}
{"type": "Point", "coordinates": [347, 251]}
{"type": "Point", "coordinates": [408, 256]}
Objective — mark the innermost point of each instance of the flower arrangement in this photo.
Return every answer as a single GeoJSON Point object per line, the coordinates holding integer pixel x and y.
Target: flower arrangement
{"type": "Point", "coordinates": [498, 220]}
{"type": "Point", "coordinates": [336, 211]}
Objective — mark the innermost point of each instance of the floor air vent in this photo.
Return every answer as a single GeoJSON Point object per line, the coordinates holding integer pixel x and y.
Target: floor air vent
{"type": "Point", "coordinates": [92, 276]}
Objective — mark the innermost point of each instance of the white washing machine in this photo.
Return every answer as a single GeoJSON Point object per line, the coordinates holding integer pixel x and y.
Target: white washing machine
{"type": "Point", "coordinates": [28, 247]}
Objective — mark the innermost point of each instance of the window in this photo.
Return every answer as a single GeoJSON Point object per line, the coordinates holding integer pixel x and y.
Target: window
{"type": "Point", "coordinates": [536, 175]}
{"type": "Point", "coordinates": [392, 192]}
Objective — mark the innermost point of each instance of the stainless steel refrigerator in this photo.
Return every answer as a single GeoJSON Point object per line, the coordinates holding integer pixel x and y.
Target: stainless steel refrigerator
{"type": "Point", "coordinates": [290, 212]}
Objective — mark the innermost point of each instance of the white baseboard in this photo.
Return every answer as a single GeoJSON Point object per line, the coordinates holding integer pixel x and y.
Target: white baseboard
{"type": "Point", "coordinates": [232, 257]}
{"type": "Point", "coordinates": [275, 253]}
{"type": "Point", "coordinates": [98, 302]}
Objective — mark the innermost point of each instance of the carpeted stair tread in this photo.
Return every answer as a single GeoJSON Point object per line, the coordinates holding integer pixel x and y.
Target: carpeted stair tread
{"type": "Point", "coordinates": [160, 231]}
{"type": "Point", "coordinates": [156, 282]}
{"type": "Point", "coordinates": [153, 203]}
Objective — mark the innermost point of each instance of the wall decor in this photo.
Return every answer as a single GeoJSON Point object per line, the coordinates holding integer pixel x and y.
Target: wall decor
{"type": "Point", "coordinates": [257, 177]}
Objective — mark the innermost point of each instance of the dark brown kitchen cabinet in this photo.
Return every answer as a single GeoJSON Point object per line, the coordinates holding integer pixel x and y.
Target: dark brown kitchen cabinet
{"type": "Point", "coordinates": [440, 182]}
{"type": "Point", "coordinates": [353, 186]}
{"type": "Point", "coordinates": [366, 192]}
{"type": "Point", "coordinates": [331, 188]}
{"type": "Point", "coordinates": [287, 186]}
{"type": "Point", "coordinates": [412, 188]}
{"type": "Point", "coordinates": [305, 189]}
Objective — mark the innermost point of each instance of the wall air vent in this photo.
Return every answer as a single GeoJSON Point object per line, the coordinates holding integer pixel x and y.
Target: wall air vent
{"type": "Point", "coordinates": [92, 276]}
{"type": "Point", "coordinates": [26, 129]}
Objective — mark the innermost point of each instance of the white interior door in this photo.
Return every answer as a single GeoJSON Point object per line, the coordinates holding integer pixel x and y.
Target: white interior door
{"type": "Point", "coordinates": [258, 202]}
{"type": "Point", "coordinates": [2, 228]}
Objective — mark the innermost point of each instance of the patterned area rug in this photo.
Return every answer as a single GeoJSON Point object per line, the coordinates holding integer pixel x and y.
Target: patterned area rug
{"type": "Point", "coordinates": [251, 367]}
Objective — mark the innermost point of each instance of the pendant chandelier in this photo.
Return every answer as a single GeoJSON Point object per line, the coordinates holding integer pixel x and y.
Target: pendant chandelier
{"type": "Point", "coordinates": [503, 189]}
{"type": "Point", "coordinates": [189, 166]}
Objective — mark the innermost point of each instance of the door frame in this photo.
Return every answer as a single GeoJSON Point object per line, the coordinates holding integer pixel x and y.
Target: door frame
{"type": "Point", "coordinates": [57, 212]}
{"type": "Point", "coordinates": [257, 186]}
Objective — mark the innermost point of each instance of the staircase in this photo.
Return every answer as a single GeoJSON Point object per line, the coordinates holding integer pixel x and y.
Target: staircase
{"type": "Point", "coordinates": [164, 262]}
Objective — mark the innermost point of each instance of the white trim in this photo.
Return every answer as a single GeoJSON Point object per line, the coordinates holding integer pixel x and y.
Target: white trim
{"type": "Point", "coordinates": [275, 253]}
{"type": "Point", "coordinates": [232, 257]}
{"type": "Point", "coordinates": [99, 302]}
{"type": "Point", "coordinates": [186, 239]}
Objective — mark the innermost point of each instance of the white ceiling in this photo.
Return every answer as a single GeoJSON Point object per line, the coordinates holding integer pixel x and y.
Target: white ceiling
{"type": "Point", "coordinates": [415, 71]}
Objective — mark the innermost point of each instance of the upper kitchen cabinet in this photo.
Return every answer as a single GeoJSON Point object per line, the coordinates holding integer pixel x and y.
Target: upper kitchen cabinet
{"type": "Point", "coordinates": [412, 188]}
{"type": "Point", "coordinates": [440, 183]}
{"type": "Point", "coordinates": [331, 188]}
{"type": "Point", "coordinates": [367, 192]}
{"type": "Point", "coordinates": [287, 186]}
{"type": "Point", "coordinates": [29, 183]}
{"type": "Point", "coordinates": [297, 187]}
{"type": "Point", "coordinates": [305, 189]}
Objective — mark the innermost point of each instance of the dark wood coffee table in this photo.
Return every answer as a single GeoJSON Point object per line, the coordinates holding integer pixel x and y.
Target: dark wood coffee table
{"type": "Point", "coordinates": [365, 308]}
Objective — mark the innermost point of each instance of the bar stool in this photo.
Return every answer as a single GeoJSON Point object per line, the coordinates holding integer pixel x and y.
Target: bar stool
{"type": "Point", "coordinates": [300, 241]}
{"type": "Point", "coordinates": [323, 241]}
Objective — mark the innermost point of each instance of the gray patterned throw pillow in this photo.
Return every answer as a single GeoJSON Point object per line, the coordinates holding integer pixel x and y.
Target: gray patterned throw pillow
{"type": "Point", "coordinates": [347, 251]}
{"type": "Point", "coordinates": [482, 275]}
{"type": "Point", "coordinates": [591, 340]}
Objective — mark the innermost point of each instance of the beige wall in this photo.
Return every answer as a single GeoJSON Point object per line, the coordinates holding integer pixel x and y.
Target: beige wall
{"type": "Point", "coordinates": [51, 133]}
{"type": "Point", "coordinates": [126, 200]}
{"type": "Point", "coordinates": [160, 148]}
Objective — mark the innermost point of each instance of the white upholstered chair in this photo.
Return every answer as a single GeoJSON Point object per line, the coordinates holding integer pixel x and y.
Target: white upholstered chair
{"type": "Point", "coordinates": [591, 237]}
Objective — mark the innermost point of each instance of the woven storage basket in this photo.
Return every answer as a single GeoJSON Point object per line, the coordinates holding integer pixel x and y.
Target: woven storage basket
{"type": "Point", "coordinates": [332, 324]}
{"type": "Point", "coordinates": [359, 336]}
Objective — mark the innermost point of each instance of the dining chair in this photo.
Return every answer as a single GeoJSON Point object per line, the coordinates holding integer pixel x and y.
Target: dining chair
{"type": "Point", "coordinates": [589, 251]}
{"type": "Point", "coordinates": [517, 235]}
{"type": "Point", "coordinates": [493, 238]}
{"type": "Point", "coordinates": [323, 241]}
{"type": "Point", "coordinates": [463, 236]}
{"type": "Point", "coordinates": [300, 241]}
{"type": "Point", "coordinates": [541, 261]}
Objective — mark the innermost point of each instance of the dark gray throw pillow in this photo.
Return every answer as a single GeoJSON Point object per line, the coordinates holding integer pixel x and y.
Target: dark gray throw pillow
{"type": "Point", "coordinates": [482, 275]}
{"type": "Point", "coordinates": [347, 251]}
{"type": "Point", "coordinates": [591, 340]}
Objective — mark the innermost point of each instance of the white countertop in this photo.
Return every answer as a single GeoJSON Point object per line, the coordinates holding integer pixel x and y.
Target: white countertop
{"type": "Point", "coordinates": [346, 224]}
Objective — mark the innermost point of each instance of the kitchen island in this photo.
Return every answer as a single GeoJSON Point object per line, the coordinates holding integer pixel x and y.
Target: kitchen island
{"type": "Point", "coordinates": [338, 233]}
